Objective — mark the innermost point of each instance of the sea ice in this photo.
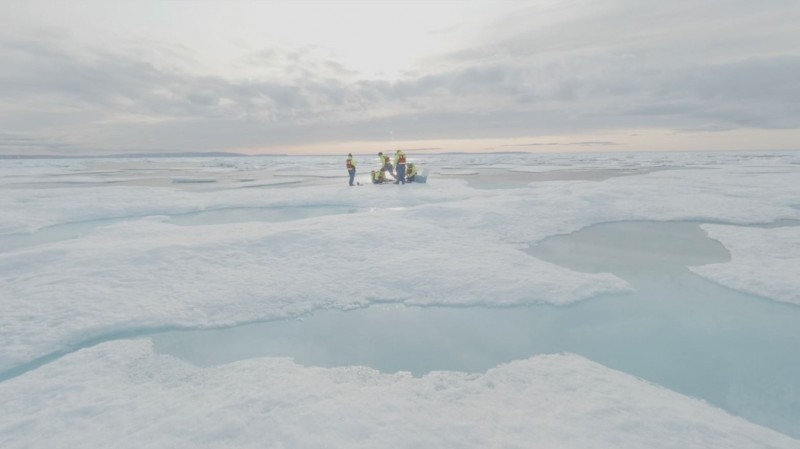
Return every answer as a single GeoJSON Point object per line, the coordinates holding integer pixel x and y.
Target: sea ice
{"type": "Point", "coordinates": [136, 399]}
{"type": "Point", "coordinates": [765, 262]}
{"type": "Point", "coordinates": [131, 269]}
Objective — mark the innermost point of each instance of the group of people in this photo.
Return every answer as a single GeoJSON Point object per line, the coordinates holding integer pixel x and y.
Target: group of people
{"type": "Point", "coordinates": [399, 172]}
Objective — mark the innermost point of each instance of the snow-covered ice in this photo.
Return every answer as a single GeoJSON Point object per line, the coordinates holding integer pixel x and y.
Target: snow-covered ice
{"type": "Point", "coordinates": [123, 395]}
{"type": "Point", "coordinates": [84, 261]}
{"type": "Point", "coordinates": [764, 261]}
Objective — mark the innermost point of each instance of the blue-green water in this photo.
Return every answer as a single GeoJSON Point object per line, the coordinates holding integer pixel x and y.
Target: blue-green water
{"type": "Point", "coordinates": [734, 350]}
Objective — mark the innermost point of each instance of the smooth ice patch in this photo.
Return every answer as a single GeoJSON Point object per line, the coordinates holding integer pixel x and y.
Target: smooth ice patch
{"type": "Point", "coordinates": [257, 214]}
{"type": "Point", "coordinates": [230, 215]}
{"type": "Point", "coordinates": [453, 172]}
{"type": "Point", "coordinates": [192, 180]}
{"type": "Point", "coordinates": [310, 174]}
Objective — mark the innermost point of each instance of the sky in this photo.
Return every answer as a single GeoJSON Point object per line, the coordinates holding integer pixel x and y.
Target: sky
{"type": "Point", "coordinates": [104, 77]}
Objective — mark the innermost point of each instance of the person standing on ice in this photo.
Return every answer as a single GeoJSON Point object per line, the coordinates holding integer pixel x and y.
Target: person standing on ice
{"type": "Point", "coordinates": [386, 165]}
{"type": "Point", "coordinates": [351, 167]}
{"type": "Point", "coordinates": [400, 166]}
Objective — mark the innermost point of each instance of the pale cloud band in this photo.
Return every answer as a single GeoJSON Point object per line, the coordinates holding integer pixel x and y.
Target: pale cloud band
{"type": "Point", "coordinates": [574, 75]}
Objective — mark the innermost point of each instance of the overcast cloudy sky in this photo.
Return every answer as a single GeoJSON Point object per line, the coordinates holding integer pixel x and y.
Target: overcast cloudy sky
{"type": "Point", "coordinates": [83, 77]}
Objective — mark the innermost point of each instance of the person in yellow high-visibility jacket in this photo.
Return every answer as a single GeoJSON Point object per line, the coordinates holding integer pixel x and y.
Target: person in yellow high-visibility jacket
{"type": "Point", "coordinates": [400, 166]}
{"type": "Point", "coordinates": [412, 173]}
{"type": "Point", "coordinates": [386, 165]}
{"type": "Point", "coordinates": [378, 177]}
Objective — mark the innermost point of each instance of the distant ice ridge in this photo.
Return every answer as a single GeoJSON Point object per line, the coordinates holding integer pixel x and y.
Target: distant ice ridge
{"type": "Point", "coordinates": [764, 262]}
{"type": "Point", "coordinates": [139, 399]}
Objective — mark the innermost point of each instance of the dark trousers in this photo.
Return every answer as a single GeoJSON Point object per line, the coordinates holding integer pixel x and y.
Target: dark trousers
{"type": "Point", "coordinates": [401, 173]}
{"type": "Point", "coordinates": [388, 167]}
{"type": "Point", "coordinates": [352, 173]}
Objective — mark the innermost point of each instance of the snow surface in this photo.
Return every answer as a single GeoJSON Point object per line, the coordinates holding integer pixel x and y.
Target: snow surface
{"type": "Point", "coordinates": [764, 261]}
{"type": "Point", "coordinates": [153, 274]}
{"type": "Point", "coordinates": [451, 172]}
{"type": "Point", "coordinates": [80, 264]}
{"type": "Point", "coordinates": [139, 399]}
